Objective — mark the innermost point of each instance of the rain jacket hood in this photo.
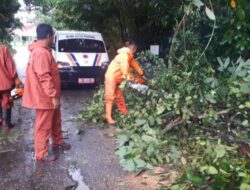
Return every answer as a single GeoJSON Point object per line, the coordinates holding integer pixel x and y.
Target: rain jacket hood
{"type": "Point", "coordinates": [124, 50]}
{"type": "Point", "coordinates": [36, 44]}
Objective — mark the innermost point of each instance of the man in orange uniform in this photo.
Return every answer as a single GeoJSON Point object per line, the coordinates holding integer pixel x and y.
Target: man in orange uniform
{"type": "Point", "coordinates": [42, 92]}
{"type": "Point", "coordinates": [8, 80]}
{"type": "Point", "coordinates": [118, 71]}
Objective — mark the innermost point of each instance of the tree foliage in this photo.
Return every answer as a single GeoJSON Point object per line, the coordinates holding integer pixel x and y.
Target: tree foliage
{"type": "Point", "coordinates": [196, 114]}
{"type": "Point", "coordinates": [233, 29]}
{"type": "Point", "coordinates": [8, 22]}
{"type": "Point", "coordinates": [147, 22]}
{"type": "Point", "coordinates": [152, 22]}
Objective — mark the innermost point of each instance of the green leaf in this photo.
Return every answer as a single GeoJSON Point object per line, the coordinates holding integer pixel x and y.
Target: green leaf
{"type": "Point", "coordinates": [202, 143]}
{"type": "Point", "coordinates": [245, 88]}
{"type": "Point", "coordinates": [203, 168]}
{"type": "Point", "coordinates": [245, 123]}
{"type": "Point", "coordinates": [220, 151]}
{"type": "Point", "coordinates": [244, 186]}
{"type": "Point", "coordinates": [174, 154]}
{"type": "Point", "coordinates": [178, 187]}
{"type": "Point", "coordinates": [139, 122]}
{"type": "Point", "coordinates": [195, 179]}
{"type": "Point", "coordinates": [221, 63]}
{"type": "Point", "coordinates": [121, 152]}
{"type": "Point", "coordinates": [247, 104]}
{"type": "Point", "coordinates": [210, 14]}
{"type": "Point", "coordinates": [212, 170]}
{"type": "Point", "coordinates": [150, 150]}
{"type": "Point", "coordinates": [241, 14]}
{"type": "Point", "coordinates": [225, 166]}
{"type": "Point", "coordinates": [198, 3]}
{"type": "Point", "coordinates": [151, 120]}
{"type": "Point", "coordinates": [160, 109]}
{"type": "Point", "coordinates": [122, 139]}
{"type": "Point", "coordinates": [241, 174]}
{"type": "Point", "coordinates": [210, 98]}
{"type": "Point", "coordinates": [241, 73]}
{"type": "Point", "coordinates": [148, 139]}
{"type": "Point", "coordinates": [247, 166]}
{"type": "Point", "coordinates": [128, 165]}
{"type": "Point", "coordinates": [140, 163]}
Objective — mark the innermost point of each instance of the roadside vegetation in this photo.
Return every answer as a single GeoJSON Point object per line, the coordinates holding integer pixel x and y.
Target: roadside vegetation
{"type": "Point", "coordinates": [195, 115]}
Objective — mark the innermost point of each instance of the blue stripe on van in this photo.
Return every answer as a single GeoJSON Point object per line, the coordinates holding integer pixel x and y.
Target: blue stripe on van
{"type": "Point", "coordinates": [74, 58]}
{"type": "Point", "coordinates": [96, 56]}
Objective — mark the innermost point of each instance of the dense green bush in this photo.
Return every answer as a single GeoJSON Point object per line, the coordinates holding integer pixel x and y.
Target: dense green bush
{"type": "Point", "coordinates": [195, 115]}
{"type": "Point", "coordinates": [172, 123]}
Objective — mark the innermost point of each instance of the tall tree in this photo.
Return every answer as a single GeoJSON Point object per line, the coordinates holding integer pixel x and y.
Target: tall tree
{"type": "Point", "coordinates": [8, 8]}
{"type": "Point", "coordinates": [144, 21]}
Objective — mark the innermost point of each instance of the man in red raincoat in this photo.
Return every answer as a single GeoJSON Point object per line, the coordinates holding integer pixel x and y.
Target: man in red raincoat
{"type": "Point", "coordinates": [118, 71]}
{"type": "Point", "coordinates": [42, 93]}
{"type": "Point", "coordinates": [8, 80]}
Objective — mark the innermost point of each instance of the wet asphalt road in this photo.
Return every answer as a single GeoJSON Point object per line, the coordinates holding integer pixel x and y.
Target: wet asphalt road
{"type": "Point", "coordinates": [90, 164]}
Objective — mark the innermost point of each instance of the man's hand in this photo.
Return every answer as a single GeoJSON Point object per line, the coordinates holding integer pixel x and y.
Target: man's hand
{"type": "Point", "coordinates": [17, 82]}
{"type": "Point", "coordinates": [56, 102]}
{"type": "Point", "coordinates": [140, 80]}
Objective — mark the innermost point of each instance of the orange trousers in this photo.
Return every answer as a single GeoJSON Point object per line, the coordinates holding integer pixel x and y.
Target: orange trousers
{"type": "Point", "coordinates": [48, 124]}
{"type": "Point", "coordinates": [5, 100]}
{"type": "Point", "coordinates": [114, 94]}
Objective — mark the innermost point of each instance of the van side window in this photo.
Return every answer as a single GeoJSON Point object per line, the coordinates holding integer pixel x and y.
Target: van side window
{"type": "Point", "coordinates": [78, 45]}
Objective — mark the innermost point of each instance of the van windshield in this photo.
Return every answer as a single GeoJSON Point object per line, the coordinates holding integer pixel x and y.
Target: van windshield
{"type": "Point", "coordinates": [81, 45]}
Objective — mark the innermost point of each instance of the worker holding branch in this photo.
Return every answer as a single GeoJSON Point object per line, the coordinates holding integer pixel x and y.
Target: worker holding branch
{"type": "Point", "coordinates": [117, 72]}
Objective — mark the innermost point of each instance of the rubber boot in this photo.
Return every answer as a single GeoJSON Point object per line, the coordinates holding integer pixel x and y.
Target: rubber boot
{"type": "Point", "coordinates": [1, 116]}
{"type": "Point", "coordinates": [108, 115]}
{"type": "Point", "coordinates": [122, 108]}
{"type": "Point", "coordinates": [120, 102]}
{"type": "Point", "coordinates": [7, 119]}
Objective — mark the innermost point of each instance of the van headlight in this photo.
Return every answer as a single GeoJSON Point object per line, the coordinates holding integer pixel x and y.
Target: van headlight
{"type": "Point", "coordinates": [104, 65]}
{"type": "Point", "coordinates": [63, 65]}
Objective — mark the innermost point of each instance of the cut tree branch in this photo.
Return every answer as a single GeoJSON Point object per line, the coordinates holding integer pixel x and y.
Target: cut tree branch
{"type": "Point", "coordinates": [180, 120]}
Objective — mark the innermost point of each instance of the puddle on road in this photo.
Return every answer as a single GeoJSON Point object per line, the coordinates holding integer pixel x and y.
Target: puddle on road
{"type": "Point", "coordinates": [77, 176]}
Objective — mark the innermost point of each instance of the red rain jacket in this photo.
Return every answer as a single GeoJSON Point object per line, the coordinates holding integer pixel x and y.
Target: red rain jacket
{"type": "Point", "coordinates": [42, 80]}
{"type": "Point", "coordinates": [8, 72]}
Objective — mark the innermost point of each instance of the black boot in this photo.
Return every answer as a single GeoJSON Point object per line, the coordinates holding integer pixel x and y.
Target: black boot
{"type": "Point", "coordinates": [1, 116]}
{"type": "Point", "coordinates": [7, 120]}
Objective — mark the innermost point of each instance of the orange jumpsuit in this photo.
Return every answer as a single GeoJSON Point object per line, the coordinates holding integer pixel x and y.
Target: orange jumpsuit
{"type": "Point", "coordinates": [42, 83]}
{"type": "Point", "coordinates": [119, 70]}
{"type": "Point", "coordinates": [8, 75]}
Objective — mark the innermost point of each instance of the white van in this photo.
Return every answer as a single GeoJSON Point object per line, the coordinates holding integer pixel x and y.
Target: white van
{"type": "Point", "coordinates": [81, 56]}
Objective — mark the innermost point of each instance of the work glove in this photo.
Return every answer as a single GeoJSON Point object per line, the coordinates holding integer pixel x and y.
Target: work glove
{"type": "Point", "coordinates": [140, 80]}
